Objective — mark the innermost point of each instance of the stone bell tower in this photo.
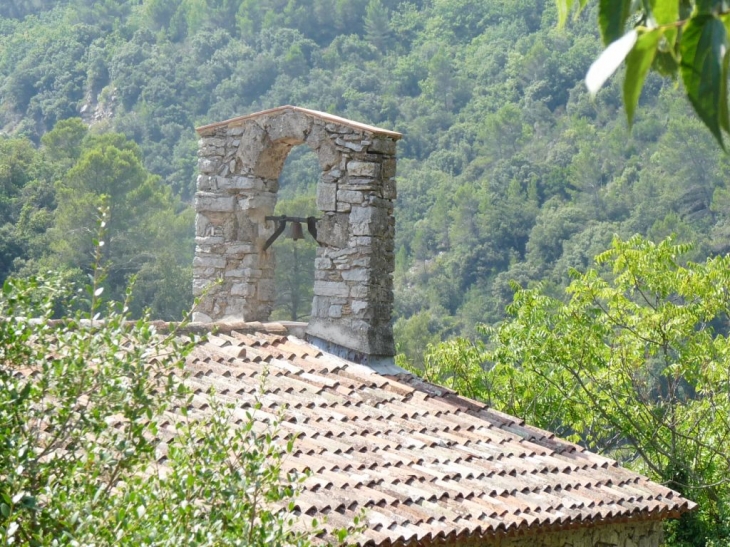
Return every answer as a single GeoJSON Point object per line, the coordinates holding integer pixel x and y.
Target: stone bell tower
{"type": "Point", "coordinates": [240, 161]}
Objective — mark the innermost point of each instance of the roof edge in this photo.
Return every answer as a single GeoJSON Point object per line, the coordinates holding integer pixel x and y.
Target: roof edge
{"type": "Point", "coordinates": [205, 130]}
{"type": "Point", "coordinates": [282, 328]}
{"type": "Point", "coordinates": [477, 538]}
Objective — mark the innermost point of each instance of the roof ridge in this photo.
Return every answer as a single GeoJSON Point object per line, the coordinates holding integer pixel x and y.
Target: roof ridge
{"type": "Point", "coordinates": [325, 116]}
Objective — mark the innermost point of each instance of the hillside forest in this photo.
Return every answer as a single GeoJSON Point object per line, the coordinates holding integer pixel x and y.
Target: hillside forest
{"type": "Point", "coordinates": [510, 174]}
{"type": "Point", "coordinates": [508, 170]}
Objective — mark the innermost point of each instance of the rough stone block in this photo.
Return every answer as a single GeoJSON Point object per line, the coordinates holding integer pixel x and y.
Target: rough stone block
{"type": "Point", "coordinates": [350, 145]}
{"type": "Point", "coordinates": [335, 312]}
{"type": "Point", "coordinates": [389, 189]}
{"type": "Point", "coordinates": [337, 128]}
{"type": "Point", "coordinates": [202, 223]}
{"type": "Point", "coordinates": [359, 291]}
{"type": "Point", "coordinates": [368, 221]}
{"type": "Point", "coordinates": [375, 201]}
{"type": "Point", "coordinates": [266, 201]}
{"type": "Point", "coordinates": [336, 254]}
{"type": "Point", "coordinates": [205, 183]}
{"type": "Point", "coordinates": [209, 262]}
{"type": "Point", "coordinates": [242, 183]}
{"type": "Point", "coordinates": [217, 142]}
{"type": "Point", "coordinates": [208, 166]}
{"type": "Point", "coordinates": [251, 261]}
{"type": "Point", "coordinates": [389, 168]}
{"type": "Point", "coordinates": [200, 317]}
{"type": "Point", "coordinates": [204, 273]}
{"type": "Point", "coordinates": [363, 169]}
{"type": "Point", "coordinates": [333, 230]}
{"type": "Point", "coordinates": [206, 201]}
{"type": "Point", "coordinates": [243, 289]}
{"type": "Point", "coordinates": [326, 197]}
{"type": "Point", "coordinates": [244, 273]}
{"type": "Point", "coordinates": [322, 263]}
{"type": "Point", "coordinates": [199, 286]}
{"type": "Point", "coordinates": [355, 146]}
{"type": "Point", "coordinates": [316, 136]}
{"type": "Point", "coordinates": [357, 274]}
{"type": "Point", "coordinates": [266, 290]}
{"type": "Point", "coordinates": [209, 240]}
{"type": "Point", "coordinates": [289, 126]}
{"type": "Point", "coordinates": [321, 306]}
{"type": "Point", "coordinates": [364, 185]}
{"type": "Point", "coordinates": [245, 229]}
{"type": "Point", "coordinates": [358, 306]}
{"type": "Point", "coordinates": [349, 196]}
{"type": "Point", "coordinates": [331, 288]}
{"type": "Point", "coordinates": [239, 250]}
{"type": "Point", "coordinates": [382, 145]}
{"type": "Point", "coordinates": [253, 142]}
{"type": "Point", "coordinates": [328, 155]}
{"type": "Point", "coordinates": [234, 306]}
{"type": "Point", "coordinates": [327, 275]}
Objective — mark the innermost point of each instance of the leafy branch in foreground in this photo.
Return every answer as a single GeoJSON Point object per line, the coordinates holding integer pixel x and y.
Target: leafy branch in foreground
{"type": "Point", "coordinates": [688, 38]}
{"type": "Point", "coordinates": [96, 446]}
{"type": "Point", "coordinates": [635, 362]}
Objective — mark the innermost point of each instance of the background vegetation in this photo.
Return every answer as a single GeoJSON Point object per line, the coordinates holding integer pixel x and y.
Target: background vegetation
{"type": "Point", "coordinates": [509, 172]}
{"type": "Point", "coordinates": [631, 360]}
{"type": "Point", "coordinates": [82, 407]}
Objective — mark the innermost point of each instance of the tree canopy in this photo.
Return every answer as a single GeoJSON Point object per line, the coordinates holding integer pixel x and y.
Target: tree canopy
{"type": "Point", "coordinates": [632, 361]}
{"type": "Point", "coordinates": [508, 168]}
{"type": "Point", "coordinates": [80, 411]}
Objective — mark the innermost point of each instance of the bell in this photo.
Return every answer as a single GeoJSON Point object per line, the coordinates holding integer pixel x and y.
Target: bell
{"type": "Point", "coordinates": [296, 230]}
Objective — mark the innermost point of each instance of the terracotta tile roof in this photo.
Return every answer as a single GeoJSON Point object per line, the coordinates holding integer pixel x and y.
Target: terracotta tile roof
{"type": "Point", "coordinates": [427, 464]}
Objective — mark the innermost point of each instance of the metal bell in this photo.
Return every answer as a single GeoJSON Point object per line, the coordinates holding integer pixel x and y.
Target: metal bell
{"type": "Point", "coordinates": [296, 231]}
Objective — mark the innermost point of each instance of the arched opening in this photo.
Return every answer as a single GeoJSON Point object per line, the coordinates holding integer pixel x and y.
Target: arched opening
{"type": "Point", "coordinates": [241, 163]}
{"type": "Point", "coordinates": [294, 270]}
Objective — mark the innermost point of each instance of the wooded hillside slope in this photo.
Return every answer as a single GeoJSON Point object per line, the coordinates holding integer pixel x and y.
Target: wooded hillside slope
{"type": "Point", "coordinates": [508, 170]}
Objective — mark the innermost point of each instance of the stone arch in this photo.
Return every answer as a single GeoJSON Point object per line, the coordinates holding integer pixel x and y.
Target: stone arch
{"type": "Point", "coordinates": [240, 161]}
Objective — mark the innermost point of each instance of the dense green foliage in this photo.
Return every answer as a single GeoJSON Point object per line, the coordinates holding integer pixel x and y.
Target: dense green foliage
{"type": "Point", "coordinates": [633, 361]}
{"type": "Point", "coordinates": [81, 407]}
{"type": "Point", "coordinates": [50, 205]}
{"type": "Point", "coordinates": [507, 168]}
{"type": "Point", "coordinates": [673, 37]}
{"type": "Point", "coordinates": [508, 171]}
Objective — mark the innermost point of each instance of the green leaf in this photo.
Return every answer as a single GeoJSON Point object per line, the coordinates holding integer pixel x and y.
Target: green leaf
{"type": "Point", "coordinates": [704, 71]}
{"type": "Point", "coordinates": [563, 11]}
{"type": "Point", "coordinates": [666, 12]}
{"type": "Point", "coordinates": [564, 7]}
{"type": "Point", "coordinates": [612, 17]}
{"type": "Point", "coordinates": [665, 64]}
{"type": "Point", "coordinates": [724, 116]}
{"type": "Point", "coordinates": [709, 6]}
{"type": "Point", "coordinates": [638, 63]}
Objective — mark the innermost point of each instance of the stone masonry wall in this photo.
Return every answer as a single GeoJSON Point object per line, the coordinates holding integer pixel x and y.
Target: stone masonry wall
{"type": "Point", "coordinates": [640, 534]}
{"type": "Point", "coordinates": [239, 163]}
